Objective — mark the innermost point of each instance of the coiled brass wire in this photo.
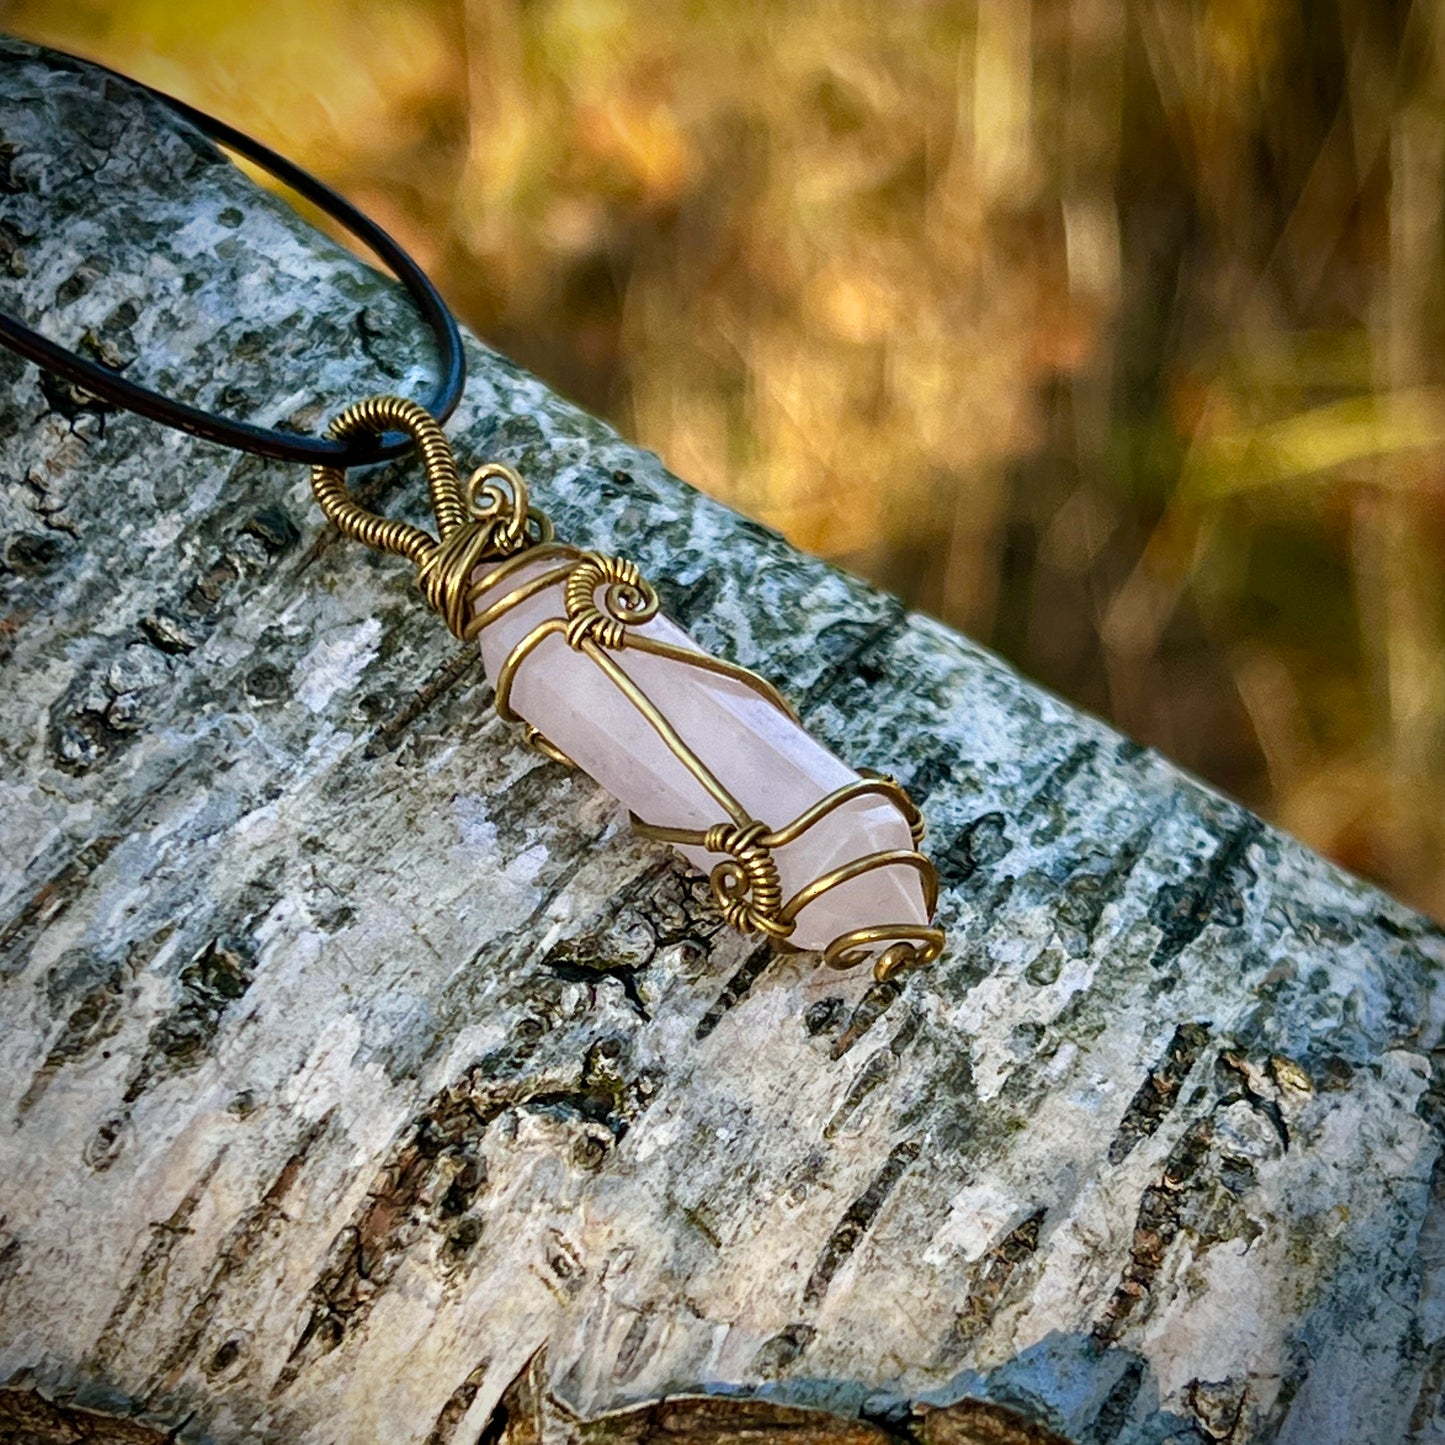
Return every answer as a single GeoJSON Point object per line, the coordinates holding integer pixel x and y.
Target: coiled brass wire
{"type": "Point", "coordinates": [630, 601]}
{"type": "Point", "coordinates": [745, 885]}
{"type": "Point", "coordinates": [378, 414]}
{"type": "Point", "coordinates": [489, 519]}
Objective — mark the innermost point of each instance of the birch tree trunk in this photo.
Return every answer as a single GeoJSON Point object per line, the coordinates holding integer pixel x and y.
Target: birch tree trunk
{"type": "Point", "coordinates": [364, 1079]}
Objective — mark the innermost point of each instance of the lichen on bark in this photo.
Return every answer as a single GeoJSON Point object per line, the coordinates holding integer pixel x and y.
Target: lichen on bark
{"type": "Point", "coordinates": [353, 1054]}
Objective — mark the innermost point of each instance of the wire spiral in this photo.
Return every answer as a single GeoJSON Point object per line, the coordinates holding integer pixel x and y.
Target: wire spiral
{"type": "Point", "coordinates": [498, 498]}
{"type": "Point", "coordinates": [628, 600]}
{"type": "Point", "coordinates": [745, 885]}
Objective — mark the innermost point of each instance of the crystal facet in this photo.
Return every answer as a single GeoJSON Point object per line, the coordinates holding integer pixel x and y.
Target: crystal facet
{"type": "Point", "coordinates": [764, 759]}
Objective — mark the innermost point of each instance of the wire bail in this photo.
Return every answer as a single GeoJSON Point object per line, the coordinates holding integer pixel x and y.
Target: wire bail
{"type": "Point", "coordinates": [489, 519]}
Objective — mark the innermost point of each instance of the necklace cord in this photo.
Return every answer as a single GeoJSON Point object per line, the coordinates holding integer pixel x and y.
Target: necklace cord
{"type": "Point", "coordinates": [354, 450]}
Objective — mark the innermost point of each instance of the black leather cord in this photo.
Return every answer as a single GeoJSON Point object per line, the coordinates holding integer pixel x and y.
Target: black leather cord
{"type": "Point", "coordinates": [110, 386]}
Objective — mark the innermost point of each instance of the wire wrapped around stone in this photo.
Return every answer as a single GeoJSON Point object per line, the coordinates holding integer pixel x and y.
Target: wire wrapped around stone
{"type": "Point", "coordinates": [746, 886]}
{"type": "Point", "coordinates": [628, 599]}
{"type": "Point", "coordinates": [445, 577]}
{"type": "Point", "coordinates": [500, 523]}
{"type": "Point", "coordinates": [489, 534]}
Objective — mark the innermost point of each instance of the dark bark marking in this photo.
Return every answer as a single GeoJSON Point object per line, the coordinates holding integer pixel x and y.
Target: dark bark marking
{"type": "Point", "coordinates": [389, 733]}
{"type": "Point", "coordinates": [857, 655]}
{"type": "Point", "coordinates": [821, 1017]}
{"type": "Point", "coordinates": [509, 1060]}
{"type": "Point", "coordinates": [973, 849]}
{"type": "Point", "coordinates": [1155, 1228]}
{"type": "Point", "coordinates": [274, 529]}
{"type": "Point", "coordinates": [13, 242]}
{"type": "Point", "coordinates": [96, 985]}
{"type": "Point", "coordinates": [72, 403]}
{"type": "Point", "coordinates": [1090, 890]}
{"type": "Point", "coordinates": [667, 906]}
{"type": "Point", "coordinates": [241, 1243]}
{"type": "Point", "coordinates": [170, 634]}
{"type": "Point", "coordinates": [1217, 1406]}
{"type": "Point", "coordinates": [876, 1002]}
{"type": "Point", "coordinates": [879, 1067]}
{"type": "Point", "coordinates": [590, 973]}
{"type": "Point", "coordinates": [95, 1018]}
{"type": "Point", "coordinates": [1159, 1092]}
{"type": "Point", "coordinates": [215, 978]}
{"type": "Point", "coordinates": [1213, 893]}
{"type": "Point", "coordinates": [52, 898]}
{"type": "Point", "coordinates": [11, 184]}
{"type": "Point", "coordinates": [82, 279]}
{"type": "Point", "coordinates": [736, 989]}
{"type": "Point", "coordinates": [1046, 804]}
{"type": "Point", "coordinates": [603, 1095]}
{"type": "Point", "coordinates": [83, 735]}
{"type": "Point", "coordinates": [930, 774]}
{"type": "Point", "coordinates": [433, 1178]}
{"type": "Point", "coordinates": [696, 1216]}
{"type": "Point", "coordinates": [1118, 1405]}
{"type": "Point", "coordinates": [857, 1221]}
{"type": "Point", "coordinates": [688, 602]}
{"type": "Point", "coordinates": [33, 554]}
{"type": "Point", "coordinates": [989, 1278]}
{"type": "Point", "coordinates": [631, 1346]}
{"type": "Point", "coordinates": [458, 1403]}
{"type": "Point", "coordinates": [228, 1354]}
{"type": "Point", "coordinates": [28, 1418]}
{"type": "Point", "coordinates": [1234, 1074]}
{"type": "Point", "coordinates": [47, 506]}
{"type": "Point", "coordinates": [104, 1146]}
{"type": "Point", "coordinates": [775, 1355]}
{"type": "Point", "coordinates": [1431, 1393]}
{"type": "Point", "coordinates": [949, 1108]}
{"type": "Point", "coordinates": [147, 1283]}
{"type": "Point", "coordinates": [377, 343]}
{"type": "Point", "coordinates": [9, 1253]}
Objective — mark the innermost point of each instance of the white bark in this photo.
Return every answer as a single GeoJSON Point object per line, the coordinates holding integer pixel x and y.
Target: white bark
{"type": "Point", "coordinates": [352, 1054]}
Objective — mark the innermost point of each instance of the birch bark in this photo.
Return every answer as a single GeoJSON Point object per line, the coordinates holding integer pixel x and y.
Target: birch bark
{"type": "Point", "coordinates": [364, 1080]}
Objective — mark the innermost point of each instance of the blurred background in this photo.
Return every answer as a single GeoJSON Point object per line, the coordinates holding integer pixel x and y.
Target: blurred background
{"type": "Point", "coordinates": [1110, 331]}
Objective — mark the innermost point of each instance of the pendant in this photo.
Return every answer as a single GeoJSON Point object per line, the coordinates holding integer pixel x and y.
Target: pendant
{"type": "Point", "coordinates": [707, 756]}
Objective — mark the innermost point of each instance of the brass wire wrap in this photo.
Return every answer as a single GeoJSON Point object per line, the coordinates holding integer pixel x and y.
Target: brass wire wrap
{"type": "Point", "coordinates": [746, 886]}
{"type": "Point", "coordinates": [629, 602]}
{"type": "Point", "coordinates": [605, 599]}
{"type": "Point", "coordinates": [489, 519]}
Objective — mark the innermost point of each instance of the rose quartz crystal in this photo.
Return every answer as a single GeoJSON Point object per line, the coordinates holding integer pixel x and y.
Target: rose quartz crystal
{"type": "Point", "coordinates": [764, 759]}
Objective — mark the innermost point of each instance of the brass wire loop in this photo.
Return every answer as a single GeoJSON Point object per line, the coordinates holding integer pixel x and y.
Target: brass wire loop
{"type": "Point", "coordinates": [746, 886]}
{"type": "Point", "coordinates": [629, 602]}
{"type": "Point", "coordinates": [488, 534]}
{"type": "Point", "coordinates": [487, 519]}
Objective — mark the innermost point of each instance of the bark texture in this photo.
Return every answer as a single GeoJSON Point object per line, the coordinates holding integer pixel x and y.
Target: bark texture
{"type": "Point", "coordinates": [363, 1079]}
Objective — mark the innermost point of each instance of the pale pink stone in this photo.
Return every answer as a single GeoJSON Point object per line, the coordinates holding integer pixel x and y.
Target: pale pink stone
{"type": "Point", "coordinates": [769, 764]}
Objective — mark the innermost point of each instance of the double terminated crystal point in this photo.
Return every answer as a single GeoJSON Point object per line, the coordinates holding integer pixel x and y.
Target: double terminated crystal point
{"type": "Point", "coordinates": [707, 756]}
